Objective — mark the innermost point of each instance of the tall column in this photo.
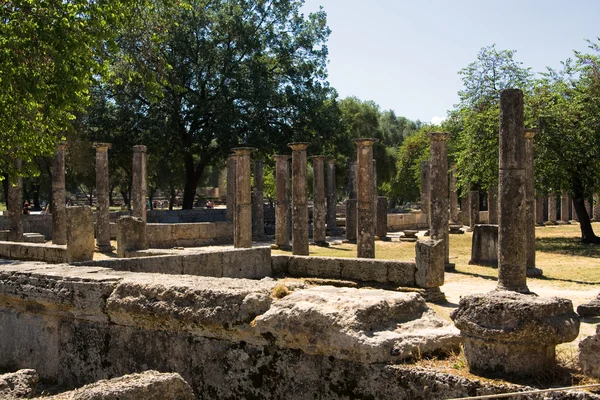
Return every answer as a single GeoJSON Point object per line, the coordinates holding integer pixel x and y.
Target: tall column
{"type": "Point", "coordinates": [539, 210]}
{"type": "Point", "coordinates": [59, 216]}
{"type": "Point", "coordinates": [551, 209]}
{"type": "Point", "coordinates": [258, 203]}
{"type": "Point", "coordinates": [351, 204]}
{"type": "Point", "coordinates": [375, 195]}
{"type": "Point", "coordinates": [512, 255]}
{"type": "Point", "coordinates": [365, 241]}
{"type": "Point", "coordinates": [102, 189]}
{"type": "Point", "coordinates": [473, 209]}
{"type": "Point", "coordinates": [596, 207]}
{"type": "Point", "coordinates": [299, 199]}
{"type": "Point", "coordinates": [282, 201]}
{"type": "Point", "coordinates": [493, 205]}
{"type": "Point", "coordinates": [454, 218]}
{"type": "Point", "coordinates": [242, 231]}
{"type": "Point", "coordinates": [425, 201]}
{"type": "Point", "coordinates": [230, 187]}
{"type": "Point", "coordinates": [564, 208]}
{"type": "Point", "coordinates": [574, 216]}
{"type": "Point", "coordinates": [331, 195]}
{"type": "Point", "coordinates": [319, 208]}
{"type": "Point", "coordinates": [138, 186]}
{"type": "Point", "coordinates": [438, 194]}
{"type": "Point", "coordinates": [15, 206]}
{"type": "Point", "coordinates": [530, 205]}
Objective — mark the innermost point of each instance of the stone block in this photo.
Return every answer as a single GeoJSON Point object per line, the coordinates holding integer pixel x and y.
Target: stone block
{"type": "Point", "coordinates": [131, 235]}
{"type": "Point", "coordinates": [185, 231]}
{"type": "Point", "coordinates": [204, 264]}
{"type": "Point", "coordinates": [20, 384]}
{"type": "Point", "coordinates": [207, 230]}
{"type": "Point", "coordinates": [279, 264]}
{"type": "Point", "coordinates": [158, 233]}
{"type": "Point", "coordinates": [317, 267]}
{"type": "Point", "coordinates": [80, 233]}
{"type": "Point", "coordinates": [430, 259]}
{"type": "Point", "coordinates": [589, 354]}
{"type": "Point", "coordinates": [364, 270]}
{"type": "Point", "coordinates": [223, 231]}
{"type": "Point", "coordinates": [484, 247]}
{"type": "Point", "coordinates": [401, 273]}
{"type": "Point", "coordinates": [55, 254]}
{"type": "Point", "coordinates": [247, 263]}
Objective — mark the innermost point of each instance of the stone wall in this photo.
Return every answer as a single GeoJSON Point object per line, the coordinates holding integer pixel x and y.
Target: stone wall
{"type": "Point", "coordinates": [403, 221]}
{"type": "Point", "coordinates": [186, 216]}
{"type": "Point", "coordinates": [48, 253]}
{"type": "Point", "coordinates": [168, 235]}
{"type": "Point", "coordinates": [33, 223]}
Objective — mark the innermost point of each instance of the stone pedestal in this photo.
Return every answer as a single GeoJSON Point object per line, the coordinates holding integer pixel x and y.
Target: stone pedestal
{"type": "Point", "coordinates": [596, 208]}
{"type": "Point", "coordinates": [430, 259]}
{"type": "Point", "coordinates": [564, 209]}
{"type": "Point", "coordinates": [258, 203]}
{"type": "Point", "coordinates": [382, 211]}
{"type": "Point", "coordinates": [59, 223]}
{"type": "Point", "coordinates": [15, 206]}
{"type": "Point", "coordinates": [282, 202]}
{"type": "Point", "coordinates": [138, 185]}
{"type": "Point", "coordinates": [539, 210]}
{"type": "Point", "coordinates": [484, 245]}
{"type": "Point", "coordinates": [331, 196]}
{"type": "Point", "coordinates": [102, 191]}
{"type": "Point", "coordinates": [473, 209]}
{"type": "Point", "coordinates": [351, 220]}
{"type": "Point", "coordinates": [551, 209]}
{"type": "Point", "coordinates": [80, 233]}
{"type": "Point", "coordinates": [299, 200]}
{"type": "Point", "coordinates": [230, 187]}
{"type": "Point", "coordinates": [365, 240]}
{"type": "Point", "coordinates": [493, 205]}
{"type": "Point", "coordinates": [319, 205]}
{"type": "Point", "coordinates": [425, 191]}
{"type": "Point", "coordinates": [242, 230]}
{"type": "Point", "coordinates": [131, 235]}
{"type": "Point", "coordinates": [438, 190]}
{"type": "Point", "coordinates": [530, 204]}
{"type": "Point", "coordinates": [454, 218]}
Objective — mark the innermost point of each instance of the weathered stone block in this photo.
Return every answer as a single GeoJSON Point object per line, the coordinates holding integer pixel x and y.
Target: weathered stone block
{"type": "Point", "coordinates": [279, 264]}
{"type": "Point", "coordinates": [20, 384]}
{"type": "Point", "coordinates": [55, 254]}
{"type": "Point", "coordinates": [484, 247]}
{"type": "Point", "coordinates": [364, 270]}
{"type": "Point", "coordinates": [247, 263]}
{"type": "Point", "coordinates": [131, 235]}
{"type": "Point", "coordinates": [318, 267]}
{"type": "Point", "coordinates": [204, 264]}
{"type": "Point", "coordinates": [589, 354]}
{"type": "Point", "coordinates": [80, 234]}
{"type": "Point", "coordinates": [402, 273]}
{"type": "Point", "coordinates": [430, 259]}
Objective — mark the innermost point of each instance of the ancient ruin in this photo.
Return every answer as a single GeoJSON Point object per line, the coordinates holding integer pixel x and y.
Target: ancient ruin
{"type": "Point", "coordinates": [299, 199]}
{"type": "Point", "coordinates": [365, 174]}
{"type": "Point", "coordinates": [242, 231]}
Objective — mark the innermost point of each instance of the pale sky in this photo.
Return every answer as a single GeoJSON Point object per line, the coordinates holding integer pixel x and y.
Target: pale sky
{"type": "Point", "coordinates": [405, 55]}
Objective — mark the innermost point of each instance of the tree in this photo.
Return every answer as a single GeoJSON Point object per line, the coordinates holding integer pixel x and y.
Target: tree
{"type": "Point", "coordinates": [223, 73]}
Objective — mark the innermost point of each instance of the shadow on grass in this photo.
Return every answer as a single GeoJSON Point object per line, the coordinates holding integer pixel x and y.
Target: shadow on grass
{"type": "Point", "coordinates": [568, 246]}
{"type": "Point", "coordinates": [476, 275]}
{"type": "Point", "coordinates": [546, 278]}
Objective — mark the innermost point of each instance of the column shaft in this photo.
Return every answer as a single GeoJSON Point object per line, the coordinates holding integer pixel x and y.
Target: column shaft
{"type": "Point", "coordinates": [454, 218]}
{"type": "Point", "coordinates": [351, 205]}
{"type": "Point", "coordinates": [138, 185]}
{"type": "Point", "coordinates": [564, 208]}
{"type": "Point", "coordinates": [331, 195]}
{"type": "Point", "coordinates": [473, 208]}
{"type": "Point", "coordinates": [258, 204]}
{"type": "Point", "coordinates": [102, 200]}
{"type": "Point", "coordinates": [299, 200]}
{"type": "Point", "coordinates": [319, 210]}
{"type": "Point", "coordinates": [230, 187]}
{"type": "Point", "coordinates": [552, 209]}
{"type": "Point", "coordinates": [59, 216]}
{"type": "Point", "coordinates": [365, 241]}
{"type": "Point", "coordinates": [242, 233]}
{"type": "Point", "coordinates": [425, 201]}
{"type": "Point", "coordinates": [438, 193]}
{"type": "Point", "coordinates": [493, 205]}
{"type": "Point", "coordinates": [529, 199]}
{"type": "Point", "coordinates": [282, 201]}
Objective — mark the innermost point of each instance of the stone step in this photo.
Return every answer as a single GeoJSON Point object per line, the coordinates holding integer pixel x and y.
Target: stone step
{"type": "Point", "coordinates": [32, 237]}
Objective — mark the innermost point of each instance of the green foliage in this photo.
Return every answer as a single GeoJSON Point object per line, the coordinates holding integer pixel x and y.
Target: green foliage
{"type": "Point", "coordinates": [413, 151]}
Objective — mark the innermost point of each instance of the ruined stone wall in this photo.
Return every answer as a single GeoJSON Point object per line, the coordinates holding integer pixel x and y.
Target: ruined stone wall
{"type": "Point", "coordinates": [403, 221]}
{"type": "Point", "coordinates": [48, 253]}
{"type": "Point", "coordinates": [186, 216]}
{"type": "Point", "coordinates": [34, 223]}
{"type": "Point", "coordinates": [168, 235]}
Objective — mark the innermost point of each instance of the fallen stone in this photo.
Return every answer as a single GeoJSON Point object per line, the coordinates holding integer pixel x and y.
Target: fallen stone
{"type": "Point", "coordinates": [18, 385]}
{"type": "Point", "coordinates": [149, 385]}
{"type": "Point", "coordinates": [590, 309]}
{"type": "Point", "coordinates": [589, 354]}
{"type": "Point", "coordinates": [361, 325]}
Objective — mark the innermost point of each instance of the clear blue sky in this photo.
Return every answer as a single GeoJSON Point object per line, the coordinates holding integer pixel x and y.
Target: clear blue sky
{"type": "Point", "coordinates": [405, 54]}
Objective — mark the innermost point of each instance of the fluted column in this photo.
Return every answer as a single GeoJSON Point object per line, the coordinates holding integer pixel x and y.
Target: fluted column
{"type": "Point", "coordinates": [59, 216]}
{"type": "Point", "coordinates": [242, 232]}
{"type": "Point", "coordinates": [319, 208]}
{"type": "Point", "coordinates": [365, 241]}
{"type": "Point", "coordinates": [138, 186]}
{"type": "Point", "coordinates": [102, 199]}
{"type": "Point", "coordinates": [299, 199]}
{"type": "Point", "coordinates": [282, 201]}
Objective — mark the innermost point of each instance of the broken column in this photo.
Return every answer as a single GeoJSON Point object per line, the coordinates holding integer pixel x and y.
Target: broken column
{"type": "Point", "coordinates": [564, 209]}
{"type": "Point", "coordinates": [596, 208]}
{"type": "Point", "coordinates": [299, 199]}
{"type": "Point", "coordinates": [473, 209]}
{"type": "Point", "coordinates": [80, 233]}
{"type": "Point", "coordinates": [230, 187]}
{"type": "Point", "coordinates": [102, 200]}
{"type": "Point", "coordinates": [551, 209]}
{"type": "Point", "coordinates": [331, 197]}
{"type": "Point", "coordinates": [425, 192]}
{"type": "Point", "coordinates": [15, 205]}
{"type": "Point", "coordinates": [319, 207]}
{"type": "Point", "coordinates": [59, 223]}
{"type": "Point", "coordinates": [539, 210]}
{"type": "Point", "coordinates": [454, 217]}
{"type": "Point", "coordinates": [509, 331]}
{"type": "Point", "coordinates": [530, 205]}
{"type": "Point", "coordinates": [351, 204]}
{"type": "Point", "coordinates": [493, 205]}
{"type": "Point", "coordinates": [282, 201]}
{"type": "Point", "coordinates": [242, 231]}
{"type": "Point", "coordinates": [438, 190]}
{"type": "Point", "coordinates": [365, 240]}
{"type": "Point", "coordinates": [138, 185]}
{"type": "Point", "coordinates": [258, 204]}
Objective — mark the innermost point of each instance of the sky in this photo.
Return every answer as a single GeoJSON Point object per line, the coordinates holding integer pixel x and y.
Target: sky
{"type": "Point", "coordinates": [405, 54]}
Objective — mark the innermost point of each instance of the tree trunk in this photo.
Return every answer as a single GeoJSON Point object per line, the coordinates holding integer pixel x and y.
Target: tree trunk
{"type": "Point", "coordinates": [173, 193]}
{"type": "Point", "coordinates": [192, 177]}
{"type": "Point", "coordinates": [5, 189]}
{"type": "Point", "coordinates": [587, 232]}
{"type": "Point", "coordinates": [125, 198]}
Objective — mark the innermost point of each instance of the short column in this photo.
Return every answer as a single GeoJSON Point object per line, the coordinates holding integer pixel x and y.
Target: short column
{"type": "Point", "coordinates": [258, 204]}
{"type": "Point", "coordinates": [138, 185]}
{"type": "Point", "coordinates": [15, 206]}
{"type": "Point", "coordinates": [59, 218]}
{"type": "Point", "coordinates": [438, 193]}
{"type": "Point", "coordinates": [242, 231]}
{"type": "Point", "coordinates": [551, 209]}
{"type": "Point", "coordinates": [473, 209]}
{"type": "Point", "coordinates": [230, 187]}
{"type": "Point", "coordinates": [564, 209]}
{"type": "Point", "coordinates": [299, 199]}
{"type": "Point", "coordinates": [80, 233]}
{"type": "Point", "coordinates": [102, 199]}
{"type": "Point", "coordinates": [331, 196]}
{"type": "Point", "coordinates": [319, 210]}
{"type": "Point", "coordinates": [365, 240]}
{"type": "Point", "coordinates": [282, 201]}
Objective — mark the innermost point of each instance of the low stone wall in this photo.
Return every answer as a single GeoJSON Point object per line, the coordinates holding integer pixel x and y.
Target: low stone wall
{"type": "Point", "coordinates": [410, 220]}
{"type": "Point", "coordinates": [48, 253]}
{"type": "Point", "coordinates": [33, 223]}
{"type": "Point", "coordinates": [186, 216]}
{"type": "Point", "coordinates": [164, 236]}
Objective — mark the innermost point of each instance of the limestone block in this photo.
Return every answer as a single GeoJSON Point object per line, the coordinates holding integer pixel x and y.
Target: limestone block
{"type": "Point", "coordinates": [20, 384]}
{"type": "Point", "coordinates": [187, 231]}
{"type": "Point", "coordinates": [317, 267]}
{"type": "Point", "coordinates": [364, 270]}
{"type": "Point", "coordinates": [157, 264]}
{"type": "Point", "coordinates": [223, 231]}
{"type": "Point", "coordinates": [589, 354]}
{"type": "Point", "coordinates": [131, 235]}
{"type": "Point", "coordinates": [5, 250]}
{"type": "Point", "coordinates": [402, 273]}
{"type": "Point", "coordinates": [55, 254]}
{"type": "Point", "coordinates": [484, 247]}
{"type": "Point", "coordinates": [366, 326]}
{"type": "Point", "coordinates": [80, 233]}
{"type": "Point", "coordinates": [158, 233]}
{"type": "Point", "coordinates": [149, 385]}
{"type": "Point", "coordinates": [279, 264]}
{"type": "Point", "coordinates": [204, 264]}
{"type": "Point", "coordinates": [430, 259]}
{"type": "Point", "coordinates": [247, 263]}
{"type": "Point", "coordinates": [590, 309]}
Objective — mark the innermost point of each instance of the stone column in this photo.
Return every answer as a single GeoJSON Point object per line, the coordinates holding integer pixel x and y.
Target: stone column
{"type": "Point", "coordinates": [425, 201]}
{"type": "Point", "coordinates": [15, 206]}
{"type": "Point", "coordinates": [331, 196]}
{"type": "Point", "coordinates": [512, 225]}
{"type": "Point", "coordinates": [230, 187]}
{"type": "Point", "coordinates": [454, 218]}
{"type": "Point", "coordinates": [473, 209]}
{"type": "Point", "coordinates": [493, 205]}
{"type": "Point", "coordinates": [539, 210]}
{"type": "Point", "coordinates": [596, 208]}
{"type": "Point", "coordinates": [375, 195]}
{"type": "Point", "coordinates": [574, 216]}
{"type": "Point", "coordinates": [365, 240]}
{"type": "Point", "coordinates": [530, 205]}
{"type": "Point", "coordinates": [282, 201]}
{"type": "Point", "coordinates": [258, 203]}
{"type": "Point", "coordinates": [382, 211]}
{"type": "Point", "coordinates": [138, 185]}
{"type": "Point", "coordinates": [564, 208]}
{"type": "Point", "coordinates": [351, 204]}
{"type": "Point", "coordinates": [59, 217]}
{"type": "Point", "coordinates": [438, 192]}
{"type": "Point", "coordinates": [242, 230]}
{"type": "Point", "coordinates": [102, 189]}
{"type": "Point", "coordinates": [319, 208]}
{"type": "Point", "coordinates": [551, 209]}
{"type": "Point", "coordinates": [299, 199]}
